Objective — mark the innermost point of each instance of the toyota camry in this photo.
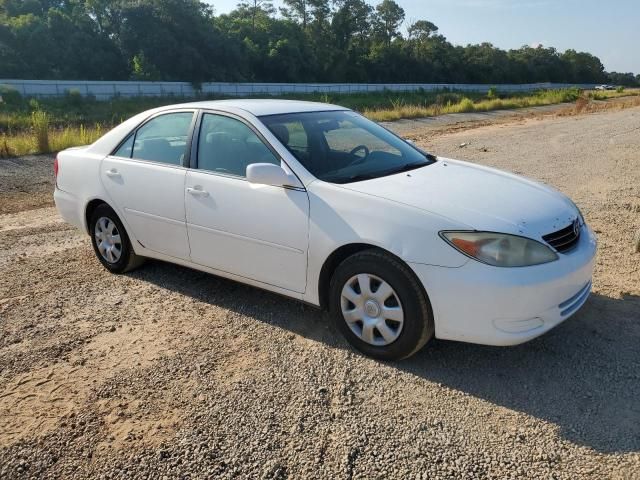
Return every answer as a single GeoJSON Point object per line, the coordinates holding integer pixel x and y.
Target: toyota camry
{"type": "Point", "coordinates": [317, 203]}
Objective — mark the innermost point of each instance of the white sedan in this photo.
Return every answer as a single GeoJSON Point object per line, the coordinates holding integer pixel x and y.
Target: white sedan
{"type": "Point", "coordinates": [317, 203]}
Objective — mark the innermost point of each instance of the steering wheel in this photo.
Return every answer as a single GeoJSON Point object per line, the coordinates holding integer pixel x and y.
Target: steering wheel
{"type": "Point", "coordinates": [359, 160]}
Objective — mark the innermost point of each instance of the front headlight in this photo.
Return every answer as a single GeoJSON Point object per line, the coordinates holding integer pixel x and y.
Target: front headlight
{"type": "Point", "coordinates": [500, 249]}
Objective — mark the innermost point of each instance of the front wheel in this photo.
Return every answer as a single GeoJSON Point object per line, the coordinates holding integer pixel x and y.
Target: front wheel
{"type": "Point", "coordinates": [111, 242]}
{"type": "Point", "coordinates": [379, 305]}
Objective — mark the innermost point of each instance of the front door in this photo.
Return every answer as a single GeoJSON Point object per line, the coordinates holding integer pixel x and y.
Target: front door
{"type": "Point", "coordinates": [145, 179]}
{"type": "Point", "coordinates": [255, 231]}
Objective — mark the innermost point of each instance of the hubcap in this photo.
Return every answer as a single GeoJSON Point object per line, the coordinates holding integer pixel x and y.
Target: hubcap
{"type": "Point", "coordinates": [372, 309]}
{"type": "Point", "coordinates": [108, 240]}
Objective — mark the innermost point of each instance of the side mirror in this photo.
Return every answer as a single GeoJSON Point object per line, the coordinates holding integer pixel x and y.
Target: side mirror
{"type": "Point", "coordinates": [270, 174]}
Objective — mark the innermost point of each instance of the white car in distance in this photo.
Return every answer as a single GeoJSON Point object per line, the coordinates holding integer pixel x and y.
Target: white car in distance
{"type": "Point", "coordinates": [317, 203]}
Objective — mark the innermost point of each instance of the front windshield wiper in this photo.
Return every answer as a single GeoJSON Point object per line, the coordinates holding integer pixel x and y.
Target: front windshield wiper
{"type": "Point", "coordinates": [405, 168]}
{"type": "Point", "coordinates": [370, 176]}
{"type": "Point", "coordinates": [359, 178]}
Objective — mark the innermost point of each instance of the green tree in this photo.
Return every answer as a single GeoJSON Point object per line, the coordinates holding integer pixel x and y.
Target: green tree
{"type": "Point", "coordinates": [297, 9]}
{"type": "Point", "coordinates": [321, 41]}
{"type": "Point", "coordinates": [176, 38]}
{"type": "Point", "coordinates": [306, 11]}
{"type": "Point", "coordinates": [583, 67]}
{"type": "Point", "coordinates": [351, 28]}
{"type": "Point", "coordinates": [486, 64]}
{"type": "Point", "coordinates": [351, 21]}
{"type": "Point", "coordinates": [422, 30]}
{"type": "Point", "coordinates": [625, 79]}
{"type": "Point", "coordinates": [255, 8]}
{"type": "Point", "coordinates": [389, 17]}
{"type": "Point", "coordinates": [142, 69]}
{"type": "Point", "coordinates": [314, 40]}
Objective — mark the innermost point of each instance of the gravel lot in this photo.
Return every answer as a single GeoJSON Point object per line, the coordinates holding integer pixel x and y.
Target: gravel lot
{"type": "Point", "coordinates": [171, 372]}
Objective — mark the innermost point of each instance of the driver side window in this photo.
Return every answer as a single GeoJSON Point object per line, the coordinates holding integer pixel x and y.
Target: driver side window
{"type": "Point", "coordinates": [228, 146]}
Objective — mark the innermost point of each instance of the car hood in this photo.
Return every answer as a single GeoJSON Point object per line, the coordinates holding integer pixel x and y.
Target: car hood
{"type": "Point", "coordinates": [477, 197]}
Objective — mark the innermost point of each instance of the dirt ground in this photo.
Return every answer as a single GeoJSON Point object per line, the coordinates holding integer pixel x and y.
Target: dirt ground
{"type": "Point", "coordinates": [168, 372]}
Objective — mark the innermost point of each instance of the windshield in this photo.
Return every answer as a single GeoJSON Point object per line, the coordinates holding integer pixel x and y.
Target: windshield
{"type": "Point", "coordinates": [343, 147]}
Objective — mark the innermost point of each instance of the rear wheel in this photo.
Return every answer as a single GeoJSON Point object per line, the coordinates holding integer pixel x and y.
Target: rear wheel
{"type": "Point", "coordinates": [379, 305]}
{"type": "Point", "coordinates": [111, 242]}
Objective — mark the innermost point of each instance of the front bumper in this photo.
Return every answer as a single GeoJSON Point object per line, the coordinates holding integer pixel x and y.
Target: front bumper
{"type": "Point", "coordinates": [488, 305]}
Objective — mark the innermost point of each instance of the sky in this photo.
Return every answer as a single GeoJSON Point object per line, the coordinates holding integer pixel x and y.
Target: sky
{"type": "Point", "coordinates": [609, 29]}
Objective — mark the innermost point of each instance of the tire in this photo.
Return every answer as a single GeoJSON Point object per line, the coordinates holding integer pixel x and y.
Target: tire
{"type": "Point", "coordinates": [122, 259]}
{"type": "Point", "coordinates": [408, 300]}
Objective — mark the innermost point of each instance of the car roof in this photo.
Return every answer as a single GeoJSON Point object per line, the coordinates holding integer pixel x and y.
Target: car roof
{"type": "Point", "coordinates": [260, 107]}
{"type": "Point", "coordinates": [257, 107]}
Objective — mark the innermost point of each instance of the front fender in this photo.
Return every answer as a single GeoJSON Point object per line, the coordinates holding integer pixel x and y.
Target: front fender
{"type": "Point", "coordinates": [340, 216]}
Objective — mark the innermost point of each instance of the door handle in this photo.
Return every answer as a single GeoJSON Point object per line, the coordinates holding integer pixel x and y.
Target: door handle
{"type": "Point", "coordinates": [112, 173]}
{"type": "Point", "coordinates": [197, 192]}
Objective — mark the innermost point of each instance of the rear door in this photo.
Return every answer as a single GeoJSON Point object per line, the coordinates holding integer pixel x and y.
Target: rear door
{"type": "Point", "coordinates": [145, 179]}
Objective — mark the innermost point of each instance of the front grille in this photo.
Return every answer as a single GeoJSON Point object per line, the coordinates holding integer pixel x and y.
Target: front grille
{"type": "Point", "coordinates": [565, 239]}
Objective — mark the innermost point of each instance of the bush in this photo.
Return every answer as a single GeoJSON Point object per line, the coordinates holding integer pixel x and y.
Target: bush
{"type": "Point", "coordinates": [581, 104]}
{"type": "Point", "coordinates": [447, 98]}
{"type": "Point", "coordinates": [572, 94]}
{"type": "Point", "coordinates": [620, 89]}
{"type": "Point", "coordinates": [73, 98]}
{"type": "Point", "coordinates": [6, 151]}
{"type": "Point", "coordinates": [10, 95]}
{"type": "Point", "coordinates": [492, 93]}
{"type": "Point", "coordinates": [466, 105]}
{"type": "Point", "coordinates": [397, 103]}
{"type": "Point", "coordinates": [40, 124]}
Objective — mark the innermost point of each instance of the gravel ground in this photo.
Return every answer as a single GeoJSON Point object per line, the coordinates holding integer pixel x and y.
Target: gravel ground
{"type": "Point", "coordinates": [168, 372]}
{"type": "Point", "coordinates": [25, 183]}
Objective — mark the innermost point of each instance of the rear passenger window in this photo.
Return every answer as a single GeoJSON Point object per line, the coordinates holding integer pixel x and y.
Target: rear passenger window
{"type": "Point", "coordinates": [126, 148]}
{"type": "Point", "coordinates": [227, 145]}
{"type": "Point", "coordinates": [163, 139]}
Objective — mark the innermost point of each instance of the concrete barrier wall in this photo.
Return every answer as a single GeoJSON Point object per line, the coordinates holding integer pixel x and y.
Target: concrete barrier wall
{"type": "Point", "coordinates": [107, 90]}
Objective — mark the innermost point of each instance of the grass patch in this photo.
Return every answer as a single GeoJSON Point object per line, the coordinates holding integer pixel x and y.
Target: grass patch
{"type": "Point", "coordinates": [29, 143]}
{"type": "Point", "coordinates": [73, 110]}
{"type": "Point", "coordinates": [604, 95]}
{"type": "Point", "coordinates": [584, 105]}
{"type": "Point", "coordinates": [29, 126]}
{"type": "Point", "coordinates": [467, 104]}
{"type": "Point", "coordinates": [40, 126]}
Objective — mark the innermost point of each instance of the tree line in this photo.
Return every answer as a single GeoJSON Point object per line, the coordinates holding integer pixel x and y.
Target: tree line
{"type": "Point", "coordinates": [304, 41]}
